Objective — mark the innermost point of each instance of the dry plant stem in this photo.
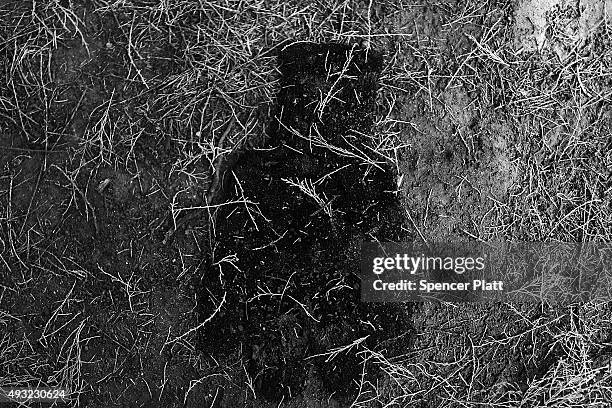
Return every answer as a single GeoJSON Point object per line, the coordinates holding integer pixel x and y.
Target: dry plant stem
{"type": "Point", "coordinates": [220, 167]}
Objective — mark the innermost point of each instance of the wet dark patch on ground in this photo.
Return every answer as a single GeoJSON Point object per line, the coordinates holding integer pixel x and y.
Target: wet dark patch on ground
{"type": "Point", "coordinates": [287, 240]}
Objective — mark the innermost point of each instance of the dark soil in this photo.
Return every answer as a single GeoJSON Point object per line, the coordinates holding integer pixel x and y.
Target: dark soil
{"type": "Point", "coordinates": [292, 291]}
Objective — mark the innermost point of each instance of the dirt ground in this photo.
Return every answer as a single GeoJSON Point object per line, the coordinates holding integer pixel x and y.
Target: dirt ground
{"type": "Point", "coordinates": [185, 188]}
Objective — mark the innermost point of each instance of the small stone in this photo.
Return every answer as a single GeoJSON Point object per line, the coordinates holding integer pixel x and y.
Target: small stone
{"type": "Point", "coordinates": [102, 185]}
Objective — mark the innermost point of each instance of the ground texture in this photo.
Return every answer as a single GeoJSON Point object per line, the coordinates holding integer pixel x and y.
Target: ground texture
{"type": "Point", "coordinates": [184, 187]}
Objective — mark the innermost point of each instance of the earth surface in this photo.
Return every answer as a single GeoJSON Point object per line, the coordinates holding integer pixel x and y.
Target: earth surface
{"type": "Point", "coordinates": [185, 189]}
